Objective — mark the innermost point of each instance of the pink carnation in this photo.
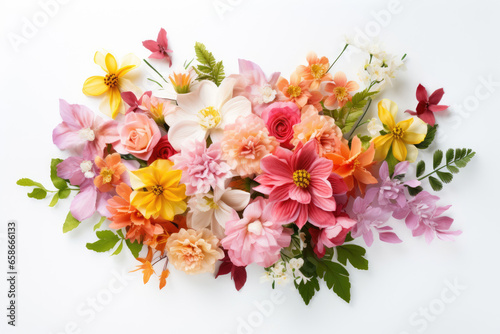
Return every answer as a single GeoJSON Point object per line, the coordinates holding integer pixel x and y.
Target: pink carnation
{"type": "Point", "coordinates": [257, 237]}
{"type": "Point", "coordinates": [201, 167]}
{"type": "Point", "coordinates": [280, 117]}
{"type": "Point", "coordinates": [245, 143]}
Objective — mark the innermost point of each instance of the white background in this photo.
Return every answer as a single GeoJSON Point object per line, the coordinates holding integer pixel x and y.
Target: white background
{"type": "Point", "coordinates": [450, 44]}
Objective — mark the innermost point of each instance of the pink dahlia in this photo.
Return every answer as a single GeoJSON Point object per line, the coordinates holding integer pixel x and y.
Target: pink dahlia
{"type": "Point", "coordinates": [245, 143]}
{"type": "Point", "coordinates": [257, 237]}
{"type": "Point", "coordinates": [201, 167]}
{"type": "Point", "coordinates": [301, 186]}
{"type": "Point", "coordinates": [331, 236]}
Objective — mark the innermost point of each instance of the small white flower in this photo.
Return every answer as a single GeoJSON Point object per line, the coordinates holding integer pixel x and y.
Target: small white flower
{"type": "Point", "coordinates": [86, 168]}
{"type": "Point", "coordinates": [268, 94]}
{"type": "Point", "coordinates": [374, 127]}
{"type": "Point", "coordinates": [296, 264]}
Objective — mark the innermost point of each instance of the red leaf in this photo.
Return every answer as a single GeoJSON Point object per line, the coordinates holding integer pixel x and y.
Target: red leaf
{"type": "Point", "coordinates": [239, 275]}
{"type": "Point", "coordinates": [224, 269]}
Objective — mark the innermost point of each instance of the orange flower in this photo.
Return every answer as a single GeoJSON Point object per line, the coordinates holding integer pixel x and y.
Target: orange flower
{"type": "Point", "coordinates": [125, 215]}
{"type": "Point", "coordinates": [110, 173]}
{"type": "Point", "coordinates": [316, 71]}
{"type": "Point", "coordinates": [340, 90]}
{"type": "Point", "coordinates": [354, 164]}
{"type": "Point", "coordinates": [163, 278]}
{"type": "Point", "coordinates": [146, 266]}
{"type": "Point", "coordinates": [298, 91]}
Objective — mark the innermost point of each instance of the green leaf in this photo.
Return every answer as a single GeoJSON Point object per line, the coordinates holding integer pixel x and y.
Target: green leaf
{"type": "Point", "coordinates": [58, 182]}
{"type": "Point", "coordinates": [435, 183]}
{"type": "Point", "coordinates": [70, 223]}
{"type": "Point", "coordinates": [336, 278]}
{"type": "Point", "coordinates": [118, 249]}
{"type": "Point", "coordinates": [450, 154]}
{"type": "Point", "coordinates": [347, 116]}
{"type": "Point", "coordinates": [429, 137]}
{"type": "Point", "coordinates": [365, 141]}
{"type": "Point", "coordinates": [415, 191]}
{"type": "Point", "coordinates": [54, 200]}
{"type": "Point", "coordinates": [444, 176]}
{"type": "Point", "coordinates": [420, 168]}
{"type": "Point", "coordinates": [120, 233]}
{"type": "Point", "coordinates": [308, 289]}
{"type": "Point", "coordinates": [99, 224]}
{"type": "Point", "coordinates": [25, 182]}
{"type": "Point", "coordinates": [107, 240]}
{"type": "Point", "coordinates": [453, 169]}
{"type": "Point", "coordinates": [209, 69]}
{"type": "Point", "coordinates": [355, 255]}
{"type": "Point", "coordinates": [391, 161]}
{"type": "Point", "coordinates": [135, 247]}
{"type": "Point", "coordinates": [64, 193]}
{"type": "Point", "coordinates": [38, 193]}
{"type": "Point", "coordinates": [438, 157]}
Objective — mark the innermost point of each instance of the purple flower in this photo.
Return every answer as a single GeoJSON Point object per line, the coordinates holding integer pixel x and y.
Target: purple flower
{"type": "Point", "coordinates": [423, 217]}
{"type": "Point", "coordinates": [201, 167]}
{"type": "Point", "coordinates": [81, 172]}
{"type": "Point", "coordinates": [371, 217]}
{"type": "Point", "coordinates": [82, 131]}
{"type": "Point", "coordinates": [159, 48]}
{"type": "Point", "coordinates": [391, 191]}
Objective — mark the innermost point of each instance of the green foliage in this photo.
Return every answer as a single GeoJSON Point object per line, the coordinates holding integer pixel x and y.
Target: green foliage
{"type": "Point", "coordinates": [347, 116]}
{"type": "Point", "coordinates": [429, 137]}
{"type": "Point", "coordinates": [209, 68]}
{"type": "Point", "coordinates": [99, 224]}
{"type": "Point", "coordinates": [70, 223]}
{"type": "Point", "coordinates": [25, 182]}
{"type": "Point", "coordinates": [437, 159]}
{"type": "Point", "coordinates": [355, 255]}
{"type": "Point", "coordinates": [336, 278]}
{"type": "Point", "coordinates": [420, 168]}
{"type": "Point", "coordinates": [38, 193]}
{"type": "Point", "coordinates": [391, 161]}
{"type": "Point", "coordinates": [107, 240]}
{"type": "Point", "coordinates": [134, 247]}
{"type": "Point", "coordinates": [365, 141]}
{"type": "Point", "coordinates": [308, 289]}
{"type": "Point", "coordinates": [118, 249]}
{"type": "Point", "coordinates": [58, 182]}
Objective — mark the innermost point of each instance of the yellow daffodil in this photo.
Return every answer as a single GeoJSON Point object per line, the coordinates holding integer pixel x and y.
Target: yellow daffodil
{"type": "Point", "coordinates": [113, 83]}
{"type": "Point", "coordinates": [401, 137]}
{"type": "Point", "coordinates": [157, 192]}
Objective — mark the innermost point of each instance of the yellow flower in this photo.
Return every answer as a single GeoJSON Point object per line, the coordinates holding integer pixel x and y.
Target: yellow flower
{"type": "Point", "coordinates": [113, 83]}
{"type": "Point", "coordinates": [402, 136]}
{"type": "Point", "coordinates": [157, 192]}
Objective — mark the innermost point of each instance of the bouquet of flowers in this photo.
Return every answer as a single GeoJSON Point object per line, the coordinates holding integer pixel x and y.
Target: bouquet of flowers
{"type": "Point", "coordinates": [212, 173]}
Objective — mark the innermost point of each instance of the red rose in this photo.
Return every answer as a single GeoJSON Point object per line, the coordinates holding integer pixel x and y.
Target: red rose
{"type": "Point", "coordinates": [280, 117]}
{"type": "Point", "coordinates": [162, 150]}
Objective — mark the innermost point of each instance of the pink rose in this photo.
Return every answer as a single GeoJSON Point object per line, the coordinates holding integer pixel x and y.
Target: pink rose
{"type": "Point", "coordinates": [280, 117]}
{"type": "Point", "coordinates": [162, 150]}
{"type": "Point", "coordinates": [139, 134]}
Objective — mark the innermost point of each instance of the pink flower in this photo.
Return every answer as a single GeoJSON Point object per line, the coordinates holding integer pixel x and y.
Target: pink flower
{"type": "Point", "coordinates": [135, 105]}
{"type": "Point", "coordinates": [280, 117]}
{"type": "Point", "coordinates": [257, 237]}
{"type": "Point", "coordinates": [423, 216]}
{"type": "Point", "coordinates": [253, 84]}
{"type": "Point", "coordinates": [391, 190]}
{"type": "Point", "coordinates": [162, 150]}
{"type": "Point", "coordinates": [138, 136]}
{"type": "Point", "coordinates": [300, 186]}
{"type": "Point", "coordinates": [82, 131]}
{"type": "Point", "coordinates": [201, 167]}
{"type": "Point", "coordinates": [159, 48]}
{"type": "Point", "coordinates": [245, 143]}
{"type": "Point", "coordinates": [428, 105]}
{"type": "Point", "coordinates": [331, 236]}
{"type": "Point", "coordinates": [81, 172]}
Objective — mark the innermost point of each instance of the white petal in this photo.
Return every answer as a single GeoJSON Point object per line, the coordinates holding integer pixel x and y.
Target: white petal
{"type": "Point", "coordinates": [185, 132]}
{"type": "Point", "coordinates": [418, 126]}
{"type": "Point", "coordinates": [179, 115]}
{"type": "Point", "coordinates": [225, 91]}
{"type": "Point", "coordinates": [216, 135]}
{"type": "Point", "coordinates": [190, 102]}
{"type": "Point", "coordinates": [126, 85]}
{"type": "Point", "coordinates": [199, 220]}
{"type": "Point", "coordinates": [208, 94]}
{"type": "Point", "coordinates": [237, 199]}
{"type": "Point", "coordinates": [412, 153]}
{"type": "Point", "coordinates": [223, 214]}
{"type": "Point", "coordinates": [234, 108]}
{"type": "Point", "coordinates": [130, 59]}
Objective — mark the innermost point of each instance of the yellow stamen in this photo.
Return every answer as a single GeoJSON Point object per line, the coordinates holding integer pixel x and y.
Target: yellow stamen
{"type": "Point", "coordinates": [294, 91]}
{"type": "Point", "coordinates": [301, 178]}
{"type": "Point", "coordinates": [157, 190]}
{"type": "Point", "coordinates": [111, 80]}
{"type": "Point", "coordinates": [317, 71]}
{"type": "Point", "coordinates": [107, 175]}
{"type": "Point", "coordinates": [209, 118]}
{"type": "Point", "coordinates": [397, 132]}
{"type": "Point", "coordinates": [340, 92]}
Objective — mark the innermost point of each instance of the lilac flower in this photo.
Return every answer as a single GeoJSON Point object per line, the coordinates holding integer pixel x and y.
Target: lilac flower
{"type": "Point", "coordinates": [201, 167]}
{"type": "Point", "coordinates": [391, 191]}
{"type": "Point", "coordinates": [81, 172]}
{"type": "Point", "coordinates": [423, 217]}
{"type": "Point", "coordinates": [82, 131]}
{"type": "Point", "coordinates": [371, 217]}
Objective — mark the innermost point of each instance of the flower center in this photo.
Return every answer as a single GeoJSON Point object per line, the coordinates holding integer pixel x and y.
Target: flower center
{"type": "Point", "coordinates": [340, 93]}
{"type": "Point", "coordinates": [111, 80]}
{"type": "Point", "coordinates": [208, 118]}
{"type": "Point", "coordinates": [397, 132]}
{"type": "Point", "coordinates": [87, 134]}
{"type": "Point", "coordinates": [268, 94]}
{"type": "Point", "coordinates": [317, 71]}
{"type": "Point", "coordinates": [255, 227]}
{"type": "Point", "coordinates": [86, 168]}
{"type": "Point", "coordinates": [157, 190]}
{"type": "Point", "coordinates": [107, 175]}
{"type": "Point", "coordinates": [301, 178]}
{"type": "Point", "coordinates": [294, 91]}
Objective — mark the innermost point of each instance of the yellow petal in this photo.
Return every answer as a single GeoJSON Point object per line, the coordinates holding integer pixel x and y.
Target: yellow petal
{"type": "Point", "coordinates": [399, 149]}
{"type": "Point", "coordinates": [130, 59]}
{"type": "Point", "coordinates": [115, 100]}
{"type": "Point", "coordinates": [384, 112]}
{"type": "Point", "coordinates": [167, 211]}
{"type": "Point", "coordinates": [382, 146]}
{"type": "Point", "coordinates": [413, 138]}
{"type": "Point", "coordinates": [111, 64]}
{"type": "Point", "coordinates": [100, 59]}
{"type": "Point", "coordinates": [124, 70]}
{"type": "Point", "coordinates": [404, 125]}
{"type": "Point", "coordinates": [94, 86]}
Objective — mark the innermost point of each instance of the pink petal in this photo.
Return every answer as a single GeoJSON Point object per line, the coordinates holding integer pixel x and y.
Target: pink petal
{"type": "Point", "coordinates": [84, 204]}
{"type": "Point", "coordinates": [437, 108]}
{"type": "Point", "coordinates": [421, 93]}
{"type": "Point", "coordinates": [390, 237]}
{"type": "Point", "coordinates": [428, 117]}
{"type": "Point", "coordinates": [162, 38]}
{"type": "Point", "coordinates": [151, 45]}
{"type": "Point", "coordinates": [436, 96]}
{"type": "Point", "coordinates": [300, 195]}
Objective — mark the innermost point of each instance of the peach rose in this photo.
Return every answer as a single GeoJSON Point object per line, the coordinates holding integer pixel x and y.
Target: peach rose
{"type": "Point", "coordinates": [194, 251]}
{"type": "Point", "coordinates": [139, 134]}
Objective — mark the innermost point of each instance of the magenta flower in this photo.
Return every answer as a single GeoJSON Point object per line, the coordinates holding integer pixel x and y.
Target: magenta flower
{"type": "Point", "coordinates": [391, 190]}
{"type": "Point", "coordinates": [332, 235]}
{"type": "Point", "coordinates": [428, 105]}
{"type": "Point", "coordinates": [423, 217]}
{"type": "Point", "coordinates": [159, 48]}
{"type": "Point", "coordinates": [81, 172]}
{"type": "Point", "coordinates": [135, 105]}
{"type": "Point", "coordinates": [280, 117]}
{"type": "Point", "coordinates": [82, 131]}
{"type": "Point", "coordinates": [201, 167]}
{"type": "Point", "coordinates": [257, 237]}
{"type": "Point", "coordinates": [371, 217]}
{"type": "Point", "coordinates": [300, 185]}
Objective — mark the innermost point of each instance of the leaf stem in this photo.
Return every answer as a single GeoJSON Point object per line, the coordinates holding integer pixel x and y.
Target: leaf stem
{"type": "Point", "coordinates": [361, 118]}
{"type": "Point", "coordinates": [345, 47]}
{"type": "Point", "coordinates": [154, 69]}
{"type": "Point", "coordinates": [445, 165]}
